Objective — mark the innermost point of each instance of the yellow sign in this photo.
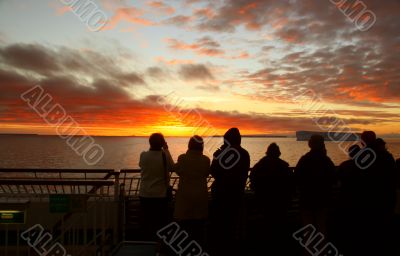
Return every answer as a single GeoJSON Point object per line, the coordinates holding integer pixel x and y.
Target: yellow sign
{"type": "Point", "coordinates": [12, 217]}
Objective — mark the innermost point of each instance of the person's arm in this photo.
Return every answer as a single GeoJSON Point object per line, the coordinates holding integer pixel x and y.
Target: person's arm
{"type": "Point", "coordinates": [215, 166]}
{"type": "Point", "coordinates": [298, 172]}
{"type": "Point", "coordinates": [170, 161]}
{"type": "Point", "coordinates": [141, 160]}
{"type": "Point", "coordinates": [178, 166]}
{"type": "Point", "coordinates": [246, 169]}
{"type": "Point", "coordinates": [333, 173]}
{"type": "Point", "coordinates": [253, 176]}
{"type": "Point", "coordinates": [208, 171]}
{"type": "Point", "coordinates": [398, 173]}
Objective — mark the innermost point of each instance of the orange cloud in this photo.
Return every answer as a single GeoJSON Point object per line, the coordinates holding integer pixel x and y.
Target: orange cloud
{"type": "Point", "coordinates": [204, 46]}
{"type": "Point", "coordinates": [127, 14]}
{"type": "Point", "coordinates": [162, 7]}
{"type": "Point", "coordinates": [173, 62]}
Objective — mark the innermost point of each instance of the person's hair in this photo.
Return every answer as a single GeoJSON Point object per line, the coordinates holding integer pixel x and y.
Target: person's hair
{"type": "Point", "coordinates": [368, 137]}
{"type": "Point", "coordinates": [196, 143]}
{"type": "Point", "coordinates": [233, 137]}
{"type": "Point", "coordinates": [273, 150]}
{"type": "Point", "coordinates": [156, 141]}
{"type": "Point", "coordinates": [354, 150]}
{"type": "Point", "coordinates": [316, 142]}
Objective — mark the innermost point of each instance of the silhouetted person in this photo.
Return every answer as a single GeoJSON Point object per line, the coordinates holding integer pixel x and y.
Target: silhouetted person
{"type": "Point", "coordinates": [351, 201]}
{"type": "Point", "coordinates": [350, 177]}
{"type": "Point", "coordinates": [381, 176]}
{"type": "Point", "coordinates": [272, 182]}
{"type": "Point", "coordinates": [155, 164]}
{"type": "Point", "coordinates": [398, 173]}
{"type": "Point", "coordinates": [380, 144]}
{"type": "Point", "coordinates": [230, 167]}
{"type": "Point", "coordinates": [191, 202]}
{"type": "Point", "coordinates": [315, 176]}
{"type": "Point", "coordinates": [380, 194]}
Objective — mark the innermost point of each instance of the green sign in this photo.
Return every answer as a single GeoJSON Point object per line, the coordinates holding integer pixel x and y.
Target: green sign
{"type": "Point", "coordinates": [59, 203]}
{"type": "Point", "coordinates": [67, 203]}
{"type": "Point", "coordinates": [12, 217]}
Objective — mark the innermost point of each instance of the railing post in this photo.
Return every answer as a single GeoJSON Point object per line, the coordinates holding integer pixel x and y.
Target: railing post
{"type": "Point", "coordinates": [116, 185]}
{"type": "Point", "coordinates": [116, 221]}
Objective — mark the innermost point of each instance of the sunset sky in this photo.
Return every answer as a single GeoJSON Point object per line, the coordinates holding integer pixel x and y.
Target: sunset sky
{"type": "Point", "coordinates": [200, 66]}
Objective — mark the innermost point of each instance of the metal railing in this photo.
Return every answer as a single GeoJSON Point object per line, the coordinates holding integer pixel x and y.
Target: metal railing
{"type": "Point", "coordinates": [80, 232]}
{"type": "Point", "coordinates": [89, 232]}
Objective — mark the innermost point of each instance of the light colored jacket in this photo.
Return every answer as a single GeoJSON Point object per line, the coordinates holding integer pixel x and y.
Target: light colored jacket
{"type": "Point", "coordinates": [191, 202]}
{"type": "Point", "coordinates": [154, 175]}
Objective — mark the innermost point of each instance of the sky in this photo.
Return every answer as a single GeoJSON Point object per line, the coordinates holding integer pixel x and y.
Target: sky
{"type": "Point", "coordinates": [184, 67]}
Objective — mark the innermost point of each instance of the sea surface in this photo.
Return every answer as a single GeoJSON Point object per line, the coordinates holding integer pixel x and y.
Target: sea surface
{"type": "Point", "coordinates": [31, 151]}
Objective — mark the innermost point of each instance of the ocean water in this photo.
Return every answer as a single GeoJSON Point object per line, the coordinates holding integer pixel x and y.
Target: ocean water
{"type": "Point", "coordinates": [29, 151]}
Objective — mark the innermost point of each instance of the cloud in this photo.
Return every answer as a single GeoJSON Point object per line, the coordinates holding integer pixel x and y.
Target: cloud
{"type": "Point", "coordinates": [178, 20]}
{"type": "Point", "coordinates": [29, 57]}
{"type": "Point", "coordinates": [157, 73]}
{"type": "Point", "coordinates": [127, 14]}
{"type": "Point", "coordinates": [204, 46]}
{"type": "Point", "coordinates": [363, 74]}
{"type": "Point", "coordinates": [62, 61]}
{"type": "Point", "coordinates": [162, 7]}
{"type": "Point", "coordinates": [191, 72]}
{"type": "Point", "coordinates": [173, 62]}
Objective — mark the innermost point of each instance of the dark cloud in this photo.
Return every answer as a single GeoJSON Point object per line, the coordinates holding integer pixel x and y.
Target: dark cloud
{"type": "Point", "coordinates": [30, 57]}
{"type": "Point", "coordinates": [157, 73]}
{"type": "Point", "coordinates": [195, 72]}
{"type": "Point", "coordinates": [58, 61]}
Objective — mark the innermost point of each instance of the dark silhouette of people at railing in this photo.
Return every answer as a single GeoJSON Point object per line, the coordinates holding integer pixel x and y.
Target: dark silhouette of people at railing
{"type": "Point", "coordinates": [272, 182]}
{"type": "Point", "coordinates": [398, 174]}
{"type": "Point", "coordinates": [315, 177]}
{"type": "Point", "coordinates": [230, 167]}
{"type": "Point", "coordinates": [367, 199]}
{"type": "Point", "coordinates": [379, 198]}
{"type": "Point", "coordinates": [191, 201]}
{"type": "Point", "coordinates": [156, 165]}
{"type": "Point", "coordinates": [350, 203]}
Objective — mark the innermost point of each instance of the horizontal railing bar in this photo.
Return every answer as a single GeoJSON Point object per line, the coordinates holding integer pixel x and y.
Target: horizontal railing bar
{"type": "Point", "coordinates": [28, 170]}
{"type": "Point", "coordinates": [56, 182]}
{"type": "Point", "coordinates": [49, 178]}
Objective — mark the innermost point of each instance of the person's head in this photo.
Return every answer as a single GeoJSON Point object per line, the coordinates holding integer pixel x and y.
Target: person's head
{"type": "Point", "coordinates": [380, 144]}
{"type": "Point", "coordinates": [196, 143]}
{"type": "Point", "coordinates": [316, 142]}
{"type": "Point", "coordinates": [156, 141]}
{"type": "Point", "coordinates": [368, 138]}
{"type": "Point", "coordinates": [273, 151]}
{"type": "Point", "coordinates": [233, 137]}
{"type": "Point", "coordinates": [354, 150]}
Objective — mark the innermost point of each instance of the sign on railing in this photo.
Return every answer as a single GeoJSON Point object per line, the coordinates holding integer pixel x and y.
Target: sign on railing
{"type": "Point", "coordinates": [12, 217]}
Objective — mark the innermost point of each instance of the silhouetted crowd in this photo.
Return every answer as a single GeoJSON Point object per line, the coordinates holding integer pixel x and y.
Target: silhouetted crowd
{"type": "Point", "coordinates": [352, 205]}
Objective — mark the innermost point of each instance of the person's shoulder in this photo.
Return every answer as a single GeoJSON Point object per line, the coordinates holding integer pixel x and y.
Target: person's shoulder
{"type": "Point", "coordinates": [305, 157]}
{"type": "Point", "coordinates": [244, 151]}
{"type": "Point", "coordinates": [181, 157]}
{"type": "Point", "coordinates": [144, 153]}
{"type": "Point", "coordinates": [328, 159]}
{"type": "Point", "coordinates": [346, 164]}
{"type": "Point", "coordinates": [283, 162]}
{"type": "Point", "coordinates": [217, 152]}
{"type": "Point", "coordinates": [205, 158]}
